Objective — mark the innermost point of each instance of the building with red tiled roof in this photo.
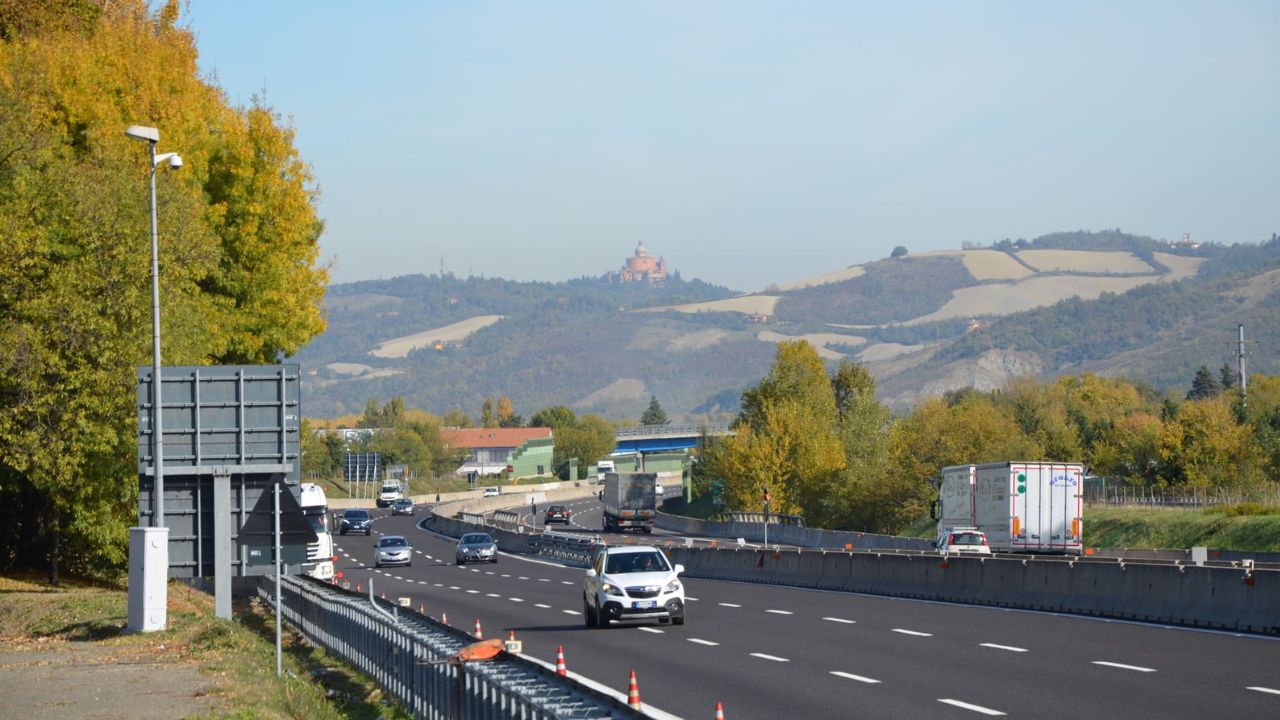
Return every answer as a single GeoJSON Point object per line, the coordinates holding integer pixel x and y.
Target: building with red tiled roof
{"type": "Point", "coordinates": [527, 451]}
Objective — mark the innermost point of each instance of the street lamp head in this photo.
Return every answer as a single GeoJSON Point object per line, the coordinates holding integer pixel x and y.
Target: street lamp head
{"type": "Point", "coordinates": [142, 132]}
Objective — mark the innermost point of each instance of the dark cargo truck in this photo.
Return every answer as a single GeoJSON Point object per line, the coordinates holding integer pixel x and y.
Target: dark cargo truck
{"type": "Point", "coordinates": [629, 502]}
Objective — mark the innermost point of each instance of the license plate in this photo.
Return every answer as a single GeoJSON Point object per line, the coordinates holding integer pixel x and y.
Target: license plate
{"type": "Point", "coordinates": [645, 604]}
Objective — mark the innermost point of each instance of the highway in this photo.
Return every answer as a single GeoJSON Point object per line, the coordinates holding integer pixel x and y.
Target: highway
{"type": "Point", "coordinates": [776, 652]}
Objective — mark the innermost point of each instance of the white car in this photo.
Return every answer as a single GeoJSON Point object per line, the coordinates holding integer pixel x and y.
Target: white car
{"type": "Point", "coordinates": [657, 490]}
{"type": "Point", "coordinates": [492, 491]}
{"type": "Point", "coordinates": [390, 493]}
{"type": "Point", "coordinates": [963, 541]}
{"type": "Point", "coordinates": [632, 582]}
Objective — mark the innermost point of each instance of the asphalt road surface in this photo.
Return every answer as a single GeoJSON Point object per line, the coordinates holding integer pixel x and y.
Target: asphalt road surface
{"type": "Point", "coordinates": [776, 652]}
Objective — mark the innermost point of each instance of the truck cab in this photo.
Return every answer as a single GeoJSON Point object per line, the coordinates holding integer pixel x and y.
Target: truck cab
{"type": "Point", "coordinates": [315, 507]}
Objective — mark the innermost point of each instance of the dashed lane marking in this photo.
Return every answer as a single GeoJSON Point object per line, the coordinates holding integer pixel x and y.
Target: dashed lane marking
{"type": "Point", "coordinates": [913, 633]}
{"type": "Point", "coordinates": [650, 630]}
{"type": "Point", "coordinates": [544, 580]}
{"type": "Point", "coordinates": [840, 620]}
{"type": "Point", "coordinates": [735, 605]}
{"type": "Point", "coordinates": [1010, 648]}
{"type": "Point", "coordinates": [1122, 666]}
{"type": "Point", "coordinates": [516, 599]}
{"type": "Point", "coordinates": [700, 641]}
{"type": "Point", "coordinates": [780, 612]}
{"type": "Point", "coordinates": [570, 612]}
{"type": "Point", "coordinates": [694, 599]}
{"type": "Point", "coordinates": [851, 676]}
{"type": "Point", "coordinates": [1268, 690]}
{"type": "Point", "coordinates": [566, 582]}
{"type": "Point", "coordinates": [544, 607]}
{"type": "Point", "coordinates": [970, 706]}
{"type": "Point", "coordinates": [774, 658]}
{"type": "Point", "coordinates": [492, 595]}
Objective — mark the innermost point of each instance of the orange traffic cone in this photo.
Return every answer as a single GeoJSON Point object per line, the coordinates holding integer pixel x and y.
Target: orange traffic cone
{"type": "Point", "coordinates": [357, 587]}
{"type": "Point", "coordinates": [560, 668]}
{"type": "Point", "coordinates": [444, 618]}
{"type": "Point", "coordinates": [633, 692]}
{"type": "Point", "coordinates": [422, 609]}
{"type": "Point", "coordinates": [384, 594]}
{"type": "Point", "coordinates": [479, 633]}
{"type": "Point", "coordinates": [719, 711]}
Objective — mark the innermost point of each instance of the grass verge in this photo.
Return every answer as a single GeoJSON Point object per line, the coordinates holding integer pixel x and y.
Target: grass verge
{"type": "Point", "coordinates": [236, 656]}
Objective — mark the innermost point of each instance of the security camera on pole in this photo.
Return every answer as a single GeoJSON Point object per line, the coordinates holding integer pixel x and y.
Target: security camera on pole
{"type": "Point", "coordinates": [149, 546]}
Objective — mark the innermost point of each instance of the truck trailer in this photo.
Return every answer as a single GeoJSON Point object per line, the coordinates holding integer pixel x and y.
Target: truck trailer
{"type": "Point", "coordinates": [1025, 507]}
{"type": "Point", "coordinates": [629, 501]}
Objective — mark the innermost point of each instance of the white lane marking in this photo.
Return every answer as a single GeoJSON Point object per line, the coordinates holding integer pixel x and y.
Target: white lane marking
{"type": "Point", "coordinates": [851, 676]}
{"type": "Point", "coordinates": [1122, 666]}
{"type": "Point", "coordinates": [1010, 648]}
{"type": "Point", "coordinates": [490, 572]}
{"type": "Point", "coordinates": [774, 658]}
{"type": "Point", "coordinates": [422, 582]}
{"type": "Point", "coordinates": [650, 630]}
{"type": "Point", "coordinates": [516, 599]}
{"type": "Point", "coordinates": [566, 582]}
{"type": "Point", "coordinates": [571, 612]}
{"type": "Point", "coordinates": [912, 632]}
{"type": "Point", "coordinates": [544, 607]}
{"type": "Point", "coordinates": [1255, 688]}
{"type": "Point", "coordinates": [520, 578]}
{"type": "Point", "coordinates": [437, 584]}
{"type": "Point", "coordinates": [700, 641]}
{"type": "Point", "coordinates": [491, 595]}
{"type": "Point", "coordinates": [473, 592]}
{"type": "Point", "coordinates": [970, 706]}
{"type": "Point", "coordinates": [840, 620]}
{"type": "Point", "coordinates": [544, 580]}
{"type": "Point", "coordinates": [454, 587]}
{"type": "Point", "coordinates": [729, 605]}
{"type": "Point", "coordinates": [694, 599]}
{"type": "Point", "coordinates": [780, 612]}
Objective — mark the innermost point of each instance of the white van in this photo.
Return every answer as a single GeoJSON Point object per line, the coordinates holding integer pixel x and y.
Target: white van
{"type": "Point", "coordinates": [391, 492]}
{"type": "Point", "coordinates": [603, 467]}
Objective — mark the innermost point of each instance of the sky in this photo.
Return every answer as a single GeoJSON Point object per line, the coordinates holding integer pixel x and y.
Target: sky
{"type": "Point", "coordinates": [751, 142]}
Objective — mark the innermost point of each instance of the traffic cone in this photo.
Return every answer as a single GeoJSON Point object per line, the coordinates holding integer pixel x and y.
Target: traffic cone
{"type": "Point", "coordinates": [444, 618]}
{"type": "Point", "coordinates": [479, 633]}
{"type": "Point", "coordinates": [384, 594]}
{"type": "Point", "coordinates": [422, 609]}
{"type": "Point", "coordinates": [357, 587]}
{"type": "Point", "coordinates": [719, 711]}
{"type": "Point", "coordinates": [560, 668]}
{"type": "Point", "coordinates": [633, 692]}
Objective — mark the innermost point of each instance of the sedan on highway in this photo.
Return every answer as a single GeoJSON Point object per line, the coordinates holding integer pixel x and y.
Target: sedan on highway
{"type": "Point", "coordinates": [630, 582]}
{"type": "Point", "coordinates": [403, 506]}
{"type": "Point", "coordinates": [355, 520]}
{"type": "Point", "coordinates": [556, 513]}
{"type": "Point", "coordinates": [476, 547]}
{"type": "Point", "coordinates": [392, 550]}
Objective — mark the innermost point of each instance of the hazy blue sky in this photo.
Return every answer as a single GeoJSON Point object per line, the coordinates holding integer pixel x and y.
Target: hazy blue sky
{"type": "Point", "coordinates": [757, 142]}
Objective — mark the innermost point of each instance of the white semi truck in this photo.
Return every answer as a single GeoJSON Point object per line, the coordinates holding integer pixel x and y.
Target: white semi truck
{"type": "Point", "coordinates": [1032, 507]}
{"type": "Point", "coordinates": [315, 506]}
{"type": "Point", "coordinates": [629, 502]}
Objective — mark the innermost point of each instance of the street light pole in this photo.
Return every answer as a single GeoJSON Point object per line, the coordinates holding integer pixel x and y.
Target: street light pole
{"type": "Point", "coordinates": [149, 546]}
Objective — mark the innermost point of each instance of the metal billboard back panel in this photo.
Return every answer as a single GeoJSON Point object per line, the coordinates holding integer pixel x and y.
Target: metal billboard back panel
{"type": "Point", "coordinates": [225, 418]}
{"type": "Point", "coordinates": [230, 433]}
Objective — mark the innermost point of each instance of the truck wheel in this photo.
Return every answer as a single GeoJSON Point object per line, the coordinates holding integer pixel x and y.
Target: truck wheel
{"type": "Point", "coordinates": [648, 531]}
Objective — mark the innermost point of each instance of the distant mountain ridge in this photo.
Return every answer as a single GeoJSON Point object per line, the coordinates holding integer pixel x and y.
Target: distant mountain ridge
{"type": "Point", "coordinates": [1108, 303]}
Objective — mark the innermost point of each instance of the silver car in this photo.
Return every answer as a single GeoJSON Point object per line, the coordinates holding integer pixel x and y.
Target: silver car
{"type": "Point", "coordinates": [476, 547]}
{"type": "Point", "coordinates": [392, 550]}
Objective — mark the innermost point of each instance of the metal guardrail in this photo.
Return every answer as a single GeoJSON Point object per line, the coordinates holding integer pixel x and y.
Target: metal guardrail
{"type": "Point", "coordinates": [409, 655]}
{"type": "Point", "coordinates": [571, 548]}
{"type": "Point", "coordinates": [673, 431]}
{"type": "Point", "coordinates": [758, 517]}
{"type": "Point", "coordinates": [473, 518]}
{"type": "Point", "coordinates": [507, 520]}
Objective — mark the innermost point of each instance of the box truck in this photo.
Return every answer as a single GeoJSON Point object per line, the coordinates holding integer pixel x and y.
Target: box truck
{"type": "Point", "coordinates": [1033, 507]}
{"type": "Point", "coordinates": [629, 502]}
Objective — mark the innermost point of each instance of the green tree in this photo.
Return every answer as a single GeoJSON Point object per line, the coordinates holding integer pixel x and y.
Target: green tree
{"type": "Point", "coordinates": [456, 418]}
{"type": "Point", "coordinates": [898, 252]}
{"type": "Point", "coordinates": [239, 246]}
{"type": "Point", "coordinates": [555, 417]}
{"type": "Point", "coordinates": [654, 414]}
{"type": "Point", "coordinates": [590, 439]}
{"type": "Point", "coordinates": [1203, 386]}
{"type": "Point", "coordinates": [487, 418]}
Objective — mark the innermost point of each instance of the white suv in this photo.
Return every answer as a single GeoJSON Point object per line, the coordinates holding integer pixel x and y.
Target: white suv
{"type": "Point", "coordinates": [962, 541]}
{"type": "Point", "coordinates": [632, 582]}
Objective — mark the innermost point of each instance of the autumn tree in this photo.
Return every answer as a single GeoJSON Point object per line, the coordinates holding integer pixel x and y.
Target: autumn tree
{"type": "Point", "coordinates": [487, 417]}
{"type": "Point", "coordinates": [240, 275]}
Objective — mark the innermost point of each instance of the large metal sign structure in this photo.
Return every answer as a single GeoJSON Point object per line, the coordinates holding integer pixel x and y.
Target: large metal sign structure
{"type": "Point", "coordinates": [231, 434]}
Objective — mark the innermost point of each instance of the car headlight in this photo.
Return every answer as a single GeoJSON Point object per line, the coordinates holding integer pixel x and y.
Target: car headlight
{"type": "Point", "coordinates": [673, 586]}
{"type": "Point", "coordinates": [610, 589]}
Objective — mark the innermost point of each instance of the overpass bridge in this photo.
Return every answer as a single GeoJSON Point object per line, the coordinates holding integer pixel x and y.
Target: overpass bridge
{"type": "Point", "coordinates": [659, 438]}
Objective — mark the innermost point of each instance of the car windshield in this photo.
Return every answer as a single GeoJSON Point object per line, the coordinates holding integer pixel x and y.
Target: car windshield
{"type": "Point", "coordinates": [966, 539]}
{"type": "Point", "coordinates": [476, 538]}
{"type": "Point", "coordinates": [636, 563]}
{"type": "Point", "coordinates": [402, 502]}
{"type": "Point", "coordinates": [356, 514]}
{"type": "Point", "coordinates": [556, 509]}
{"type": "Point", "coordinates": [393, 542]}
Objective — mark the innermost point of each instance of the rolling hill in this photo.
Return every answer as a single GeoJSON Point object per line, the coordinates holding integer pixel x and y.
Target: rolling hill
{"type": "Point", "coordinates": [1107, 303]}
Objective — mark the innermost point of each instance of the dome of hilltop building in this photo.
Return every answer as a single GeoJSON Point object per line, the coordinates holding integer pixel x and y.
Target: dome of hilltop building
{"type": "Point", "coordinates": [641, 267]}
